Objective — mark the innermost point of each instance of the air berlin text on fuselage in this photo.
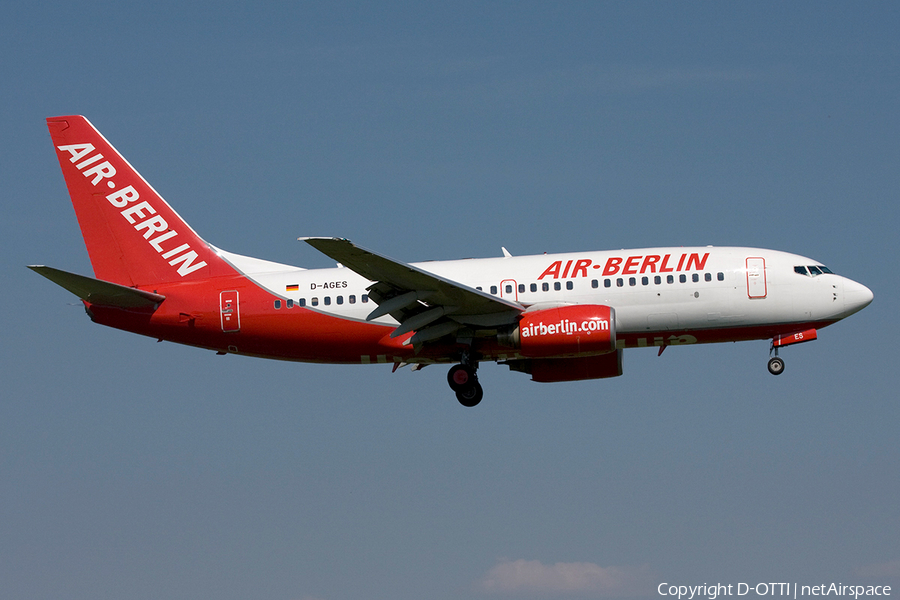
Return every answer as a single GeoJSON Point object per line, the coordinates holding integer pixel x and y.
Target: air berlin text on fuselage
{"type": "Point", "coordinates": [140, 215]}
{"type": "Point", "coordinates": [632, 265]}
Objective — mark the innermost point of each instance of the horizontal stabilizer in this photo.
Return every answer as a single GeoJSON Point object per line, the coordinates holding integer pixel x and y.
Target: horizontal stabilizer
{"type": "Point", "coordinates": [100, 292]}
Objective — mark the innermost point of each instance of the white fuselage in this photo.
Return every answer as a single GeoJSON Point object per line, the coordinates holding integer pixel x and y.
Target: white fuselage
{"type": "Point", "coordinates": [653, 290]}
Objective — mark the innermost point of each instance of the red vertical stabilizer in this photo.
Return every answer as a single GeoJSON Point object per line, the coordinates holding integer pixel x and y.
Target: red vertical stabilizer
{"type": "Point", "coordinates": [133, 236]}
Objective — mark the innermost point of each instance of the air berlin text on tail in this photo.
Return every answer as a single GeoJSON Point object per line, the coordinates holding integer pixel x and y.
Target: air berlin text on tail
{"type": "Point", "coordinates": [140, 215]}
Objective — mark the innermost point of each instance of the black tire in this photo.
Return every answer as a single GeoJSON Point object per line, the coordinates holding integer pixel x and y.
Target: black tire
{"type": "Point", "coordinates": [776, 366]}
{"type": "Point", "coordinates": [470, 396]}
{"type": "Point", "coordinates": [460, 377]}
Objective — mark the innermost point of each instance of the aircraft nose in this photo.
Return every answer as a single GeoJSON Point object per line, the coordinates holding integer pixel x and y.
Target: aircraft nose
{"type": "Point", "coordinates": [856, 296]}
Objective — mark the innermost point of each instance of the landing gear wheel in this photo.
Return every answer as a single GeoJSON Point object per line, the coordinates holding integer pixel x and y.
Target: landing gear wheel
{"type": "Point", "coordinates": [776, 366]}
{"type": "Point", "coordinates": [461, 377]}
{"type": "Point", "coordinates": [464, 382]}
{"type": "Point", "coordinates": [470, 396]}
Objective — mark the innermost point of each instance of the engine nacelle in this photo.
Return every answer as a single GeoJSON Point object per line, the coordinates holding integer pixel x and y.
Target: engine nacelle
{"type": "Point", "coordinates": [569, 330]}
{"type": "Point", "coordinates": [551, 370]}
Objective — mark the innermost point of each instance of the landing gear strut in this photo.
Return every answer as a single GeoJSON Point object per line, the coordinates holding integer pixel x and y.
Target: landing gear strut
{"type": "Point", "coordinates": [776, 364]}
{"type": "Point", "coordinates": [464, 382]}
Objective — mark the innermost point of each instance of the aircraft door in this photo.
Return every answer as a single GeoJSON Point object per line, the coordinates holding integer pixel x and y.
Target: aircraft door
{"type": "Point", "coordinates": [229, 311]}
{"type": "Point", "coordinates": [756, 278]}
{"type": "Point", "coordinates": [508, 290]}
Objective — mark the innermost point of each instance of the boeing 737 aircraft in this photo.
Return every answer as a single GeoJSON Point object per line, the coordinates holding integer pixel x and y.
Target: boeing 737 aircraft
{"type": "Point", "coordinates": [562, 317]}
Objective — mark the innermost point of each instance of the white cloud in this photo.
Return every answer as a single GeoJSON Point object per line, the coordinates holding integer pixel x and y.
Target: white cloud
{"type": "Point", "coordinates": [532, 576]}
{"type": "Point", "coordinates": [885, 569]}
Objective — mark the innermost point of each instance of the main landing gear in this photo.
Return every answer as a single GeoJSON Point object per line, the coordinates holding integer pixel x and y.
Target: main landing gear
{"type": "Point", "coordinates": [464, 382]}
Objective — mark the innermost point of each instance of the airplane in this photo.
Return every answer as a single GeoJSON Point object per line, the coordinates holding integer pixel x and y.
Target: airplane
{"type": "Point", "coordinates": [556, 317]}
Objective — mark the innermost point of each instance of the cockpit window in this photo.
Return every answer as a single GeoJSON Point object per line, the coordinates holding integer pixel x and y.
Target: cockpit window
{"type": "Point", "coordinates": [812, 270]}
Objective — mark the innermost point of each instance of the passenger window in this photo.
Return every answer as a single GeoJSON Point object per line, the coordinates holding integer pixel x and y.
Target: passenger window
{"type": "Point", "coordinates": [277, 304]}
{"type": "Point", "coordinates": [302, 302]}
{"type": "Point", "coordinates": [569, 285]}
{"type": "Point", "coordinates": [352, 299]}
{"type": "Point", "coordinates": [682, 278]}
{"type": "Point", "coordinates": [557, 286]}
{"type": "Point", "coordinates": [595, 284]}
{"type": "Point", "coordinates": [365, 298]}
{"type": "Point", "coordinates": [720, 276]}
{"type": "Point", "coordinates": [657, 279]}
{"type": "Point", "coordinates": [707, 276]}
{"type": "Point", "coordinates": [521, 288]}
{"type": "Point", "coordinates": [327, 300]}
{"type": "Point", "coordinates": [315, 301]}
{"type": "Point", "coordinates": [695, 277]}
{"type": "Point", "coordinates": [508, 289]}
{"type": "Point", "coordinates": [545, 286]}
{"type": "Point", "coordinates": [340, 299]}
{"type": "Point", "coordinates": [607, 283]}
{"type": "Point", "coordinates": [620, 282]}
{"type": "Point", "coordinates": [670, 279]}
{"type": "Point", "coordinates": [632, 281]}
{"type": "Point", "coordinates": [533, 287]}
{"type": "Point", "coordinates": [290, 303]}
{"type": "Point", "coordinates": [645, 281]}
{"type": "Point", "coordinates": [494, 289]}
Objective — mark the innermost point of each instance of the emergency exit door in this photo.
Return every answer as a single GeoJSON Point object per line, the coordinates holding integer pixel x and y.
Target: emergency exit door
{"type": "Point", "coordinates": [229, 311]}
{"type": "Point", "coordinates": [756, 277]}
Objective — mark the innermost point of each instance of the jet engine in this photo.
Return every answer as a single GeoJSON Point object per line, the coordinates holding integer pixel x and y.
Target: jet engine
{"type": "Point", "coordinates": [562, 331]}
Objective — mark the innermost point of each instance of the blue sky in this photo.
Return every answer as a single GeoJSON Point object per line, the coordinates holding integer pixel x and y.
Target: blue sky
{"type": "Point", "coordinates": [131, 469]}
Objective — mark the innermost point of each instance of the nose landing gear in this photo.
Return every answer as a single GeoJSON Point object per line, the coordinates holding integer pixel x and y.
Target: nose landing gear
{"type": "Point", "coordinates": [776, 364]}
{"type": "Point", "coordinates": [464, 382]}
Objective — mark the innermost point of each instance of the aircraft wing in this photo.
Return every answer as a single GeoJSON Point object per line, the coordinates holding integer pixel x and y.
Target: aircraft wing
{"type": "Point", "coordinates": [421, 301]}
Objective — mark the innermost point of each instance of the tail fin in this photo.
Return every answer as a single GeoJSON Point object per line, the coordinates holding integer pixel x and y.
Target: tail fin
{"type": "Point", "coordinates": [133, 236]}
